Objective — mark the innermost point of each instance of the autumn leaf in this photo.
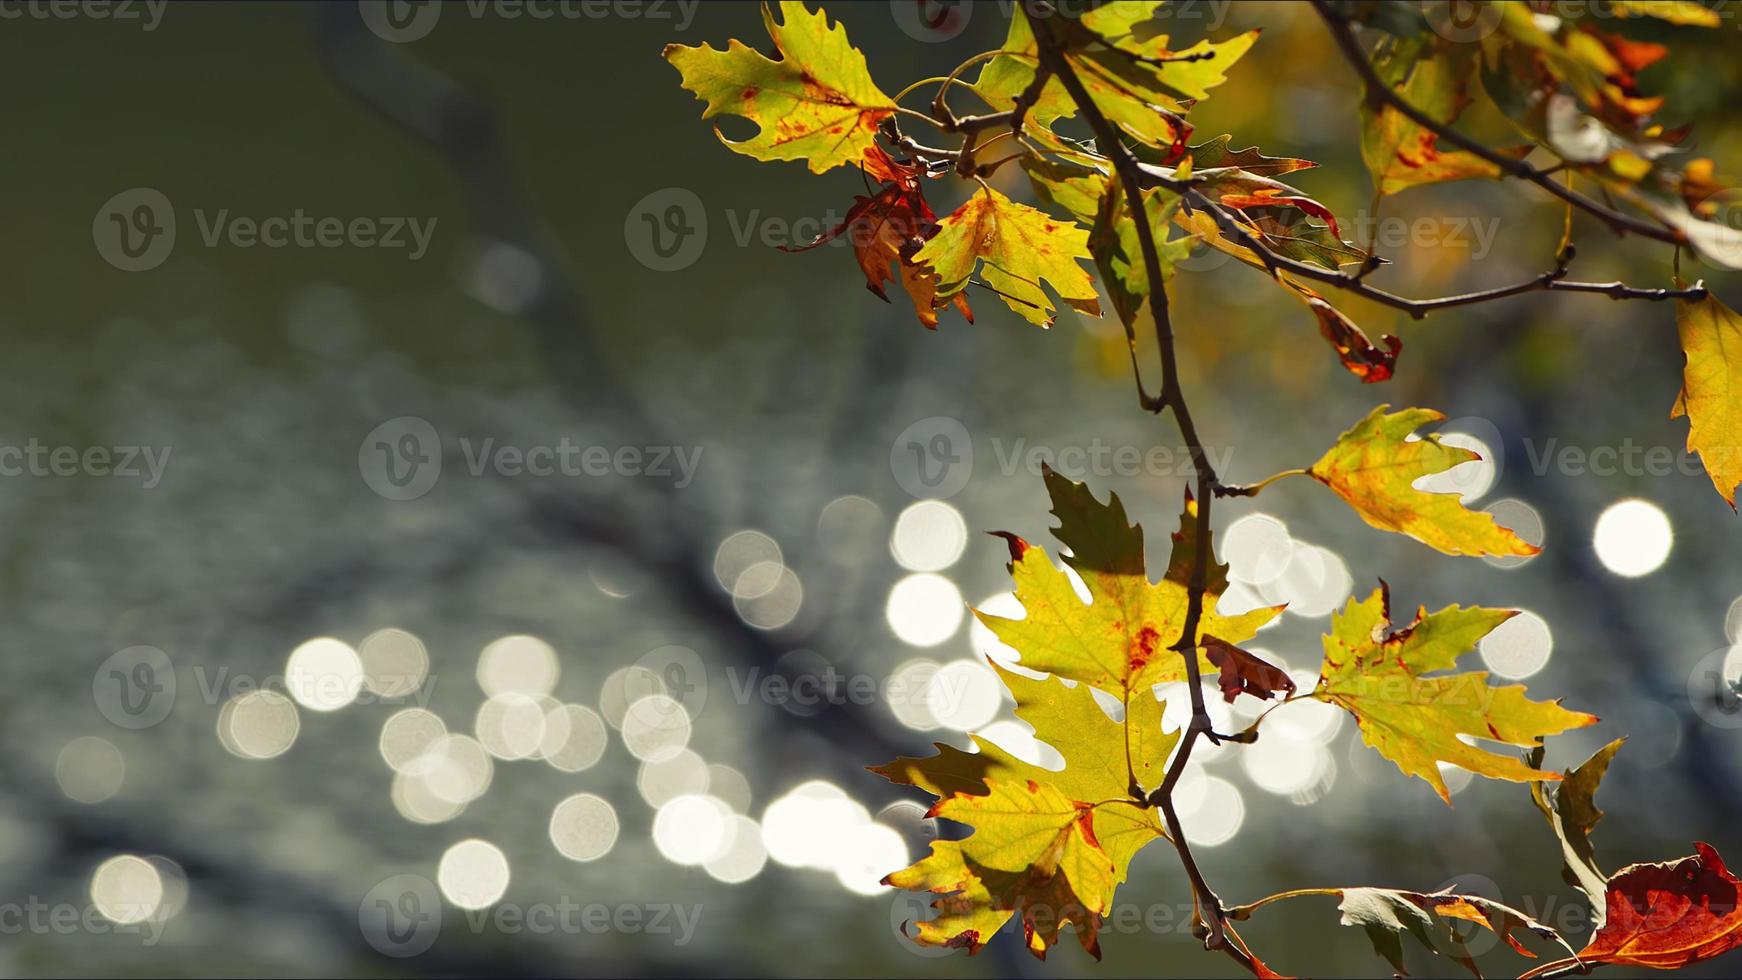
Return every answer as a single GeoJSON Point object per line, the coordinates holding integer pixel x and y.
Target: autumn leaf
{"type": "Point", "coordinates": [1686, 12]}
{"type": "Point", "coordinates": [1121, 640]}
{"type": "Point", "coordinates": [1572, 814]}
{"type": "Point", "coordinates": [1387, 914]}
{"type": "Point", "coordinates": [1033, 852]}
{"type": "Point", "coordinates": [1373, 466]}
{"type": "Point", "coordinates": [1215, 153]}
{"type": "Point", "coordinates": [1400, 153]}
{"type": "Point", "coordinates": [1243, 671]}
{"type": "Point", "coordinates": [1669, 915]}
{"type": "Point", "coordinates": [1100, 202]}
{"type": "Point", "coordinates": [1101, 756]}
{"type": "Point", "coordinates": [1711, 395]}
{"type": "Point", "coordinates": [1132, 77]}
{"type": "Point", "coordinates": [1015, 248]}
{"type": "Point", "coordinates": [817, 103]}
{"type": "Point", "coordinates": [1103, 759]}
{"type": "Point", "coordinates": [1380, 677]}
{"type": "Point", "coordinates": [1360, 356]}
{"type": "Point", "coordinates": [886, 230]}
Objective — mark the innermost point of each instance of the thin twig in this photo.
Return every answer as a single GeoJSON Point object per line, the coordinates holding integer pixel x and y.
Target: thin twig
{"type": "Point", "coordinates": [1379, 92]}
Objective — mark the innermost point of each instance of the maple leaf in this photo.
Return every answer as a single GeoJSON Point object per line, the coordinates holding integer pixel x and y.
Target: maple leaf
{"type": "Point", "coordinates": [1132, 77]}
{"type": "Point", "coordinates": [1243, 671]}
{"type": "Point", "coordinates": [1669, 915]}
{"type": "Point", "coordinates": [1379, 677]}
{"type": "Point", "coordinates": [1373, 466]}
{"type": "Point", "coordinates": [1106, 763]}
{"type": "Point", "coordinates": [1572, 814]}
{"type": "Point", "coordinates": [1033, 852]}
{"type": "Point", "coordinates": [1015, 248]}
{"type": "Point", "coordinates": [1119, 641]}
{"type": "Point", "coordinates": [1434, 79]}
{"type": "Point", "coordinates": [1386, 914]}
{"type": "Point", "coordinates": [817, 103]}
{"type": "Point", "coordinates": [886, 230]}
{"type": "Point", "coordinates": [1711, 395]}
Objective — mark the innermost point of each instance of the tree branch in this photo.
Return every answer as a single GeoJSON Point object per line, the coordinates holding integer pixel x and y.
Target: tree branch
{"type": "Point", "coordinates": [1172, 397]}
{"type": "Point", "coordinates": [1379, 92]}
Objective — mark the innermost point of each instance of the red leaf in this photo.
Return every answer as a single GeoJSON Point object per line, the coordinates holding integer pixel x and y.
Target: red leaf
{"type": "Point", "coordinates": [1241, 671]}
{"type": "Point", "coordinates": [1670, 915]}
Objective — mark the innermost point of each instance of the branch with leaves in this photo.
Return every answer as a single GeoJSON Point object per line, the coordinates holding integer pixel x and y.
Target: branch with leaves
{"type": "Point", "coordinates": [1132, 195]}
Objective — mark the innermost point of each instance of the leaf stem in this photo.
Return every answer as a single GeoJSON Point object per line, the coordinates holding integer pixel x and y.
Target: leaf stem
{"type": "Point", "coordinates": [1253, 489]}
{"type": "Point", "coordinates": [1243, 912]}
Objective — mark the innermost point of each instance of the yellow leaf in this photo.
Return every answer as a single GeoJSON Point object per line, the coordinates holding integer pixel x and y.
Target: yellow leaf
{"type": "Point", "coordinates": [1711, 396]}
{"type": "Point", "coordinates": [817, 103]}
{"type": "Point", "coordinates": [1372, 467]}
{"type": "Point", "coordinates": [1402, 154]}
{"type": "Point", "coordinates": [1015, 248]}
{"type": "Point", "coordinates": [1033, 852]}
{"type": "Point", "coordinates": [1120, 641]}
{"type": "Point", "coordinates": [1416, 721]}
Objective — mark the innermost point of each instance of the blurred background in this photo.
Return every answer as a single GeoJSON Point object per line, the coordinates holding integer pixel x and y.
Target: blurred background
{"type": "Point", "coordinates": [515, 566]}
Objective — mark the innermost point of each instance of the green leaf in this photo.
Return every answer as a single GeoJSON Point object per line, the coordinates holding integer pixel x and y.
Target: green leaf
{"type": "Point", "coordinates": [1417, 721]}
{"type": "Point", "coordinates": [1388, 914]}
{"type": "Point", "coordinates": [1373, 466]}
{"type": "Point", "coordinates": [1572, 814]}
{"type": "Point", "coordinates": [817, 103]}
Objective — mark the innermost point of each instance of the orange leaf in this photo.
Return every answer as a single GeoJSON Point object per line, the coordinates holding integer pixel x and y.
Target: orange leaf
{"type": "Point", "coordinates": [1669, 915]}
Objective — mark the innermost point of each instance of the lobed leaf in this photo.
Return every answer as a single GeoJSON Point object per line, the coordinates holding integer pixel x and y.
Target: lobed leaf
{"type": "Point", "coordinates": [1381, 677]}
{"type": "Point", "coordinates": [1373, 467]}
{"type": "Point", "coordinates": [817, 103]}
